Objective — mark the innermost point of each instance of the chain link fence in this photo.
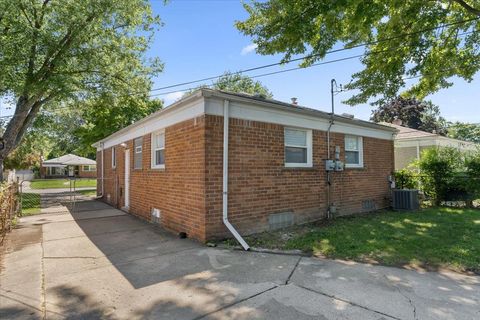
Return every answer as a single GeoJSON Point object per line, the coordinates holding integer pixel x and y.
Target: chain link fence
{"type": "Point", "coordinates": [55, 195]}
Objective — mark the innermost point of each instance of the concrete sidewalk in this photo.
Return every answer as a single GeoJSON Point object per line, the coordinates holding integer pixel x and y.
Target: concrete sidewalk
{"type": "Point", "coordinates": [100, 263]}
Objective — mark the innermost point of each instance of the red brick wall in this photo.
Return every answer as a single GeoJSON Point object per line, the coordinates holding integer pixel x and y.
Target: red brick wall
{"type": "Point", "coordinates": [86, 174]}
{"type": "Point", "coordinates": [260, 185]}
{"type": "Point", "coordinates": [178, 190]}
{"type": "Point", "coordinates": [189, 191]}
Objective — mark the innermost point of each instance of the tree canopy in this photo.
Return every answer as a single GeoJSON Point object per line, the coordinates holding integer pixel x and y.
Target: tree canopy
{"type": "Point", "coordinates": [52, 51]}
{"type": "Point", "coordinates": [236, 82]}
{"type": "Point", "coordinates": [431, 40]}
{"type": "Point", "coordinates": [414, 114]}
{"type": "Point", "coordinates": [464, 131]}
{"type": "Point", "coordinates": [108, 114]}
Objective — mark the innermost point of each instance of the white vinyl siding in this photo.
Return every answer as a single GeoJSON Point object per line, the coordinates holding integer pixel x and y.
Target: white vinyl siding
{"type": "Point", "coordinates": [298, 147]}
{"type": "Point", "coordinates": [353, 152]}
{"type": "Point", "coordinates": [158, 150]}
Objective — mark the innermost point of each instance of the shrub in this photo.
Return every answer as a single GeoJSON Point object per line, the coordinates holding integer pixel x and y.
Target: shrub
{"type": "Point", "coordinates": [472, 164]}
{"type": "Point", "coordinates": [438, 167]}
{"type": "Point", "coordinates": [406, 179]}
{"type": "Point", "coordinates": [450, 175]}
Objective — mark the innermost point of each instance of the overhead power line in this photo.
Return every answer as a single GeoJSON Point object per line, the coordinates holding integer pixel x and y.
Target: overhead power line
{"type": "Point", "coordinates": [315, 55]}
{"type": "Point", "coordinates": [294, 68]}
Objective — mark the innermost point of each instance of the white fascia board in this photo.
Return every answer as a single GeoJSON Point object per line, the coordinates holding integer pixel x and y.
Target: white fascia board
{"type": "Point", "coordinates": [170, 116]}
{"type": "Point", "coordinates": [455, 143]}
{"type": "Point", "coordinates": [246, 111]}
{"type": "Point", "coordinates": [435, 141]}
{"type": "Point", "coordinates": [421, 142]}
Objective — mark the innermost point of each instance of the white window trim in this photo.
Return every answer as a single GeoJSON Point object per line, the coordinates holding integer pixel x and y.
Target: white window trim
{"type": "Point", "coordinates": [91, 168]}
{"type": "Point", "coordinates": [309, 163]}
{"type": "Point", "coordinates": [152, 151]}
{"type": "Point", "coordinates": [360, 152]}
{"type": "Point", "coordinates": [114, 158]}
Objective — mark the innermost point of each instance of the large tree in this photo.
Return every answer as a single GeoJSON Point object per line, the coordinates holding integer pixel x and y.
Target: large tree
{"type": "Point", "coordinates": [415, 114]}
{"type": "Point", "coordinates": [236, 82]}
{"type": "Point", "coordinates": [99, 121]}
{"type": "Point", "coordinates": [51, 51]}
{"type": "Point", "coordinates": [464, 131]}
{"type": "Point", "coordinates": [431, 40]}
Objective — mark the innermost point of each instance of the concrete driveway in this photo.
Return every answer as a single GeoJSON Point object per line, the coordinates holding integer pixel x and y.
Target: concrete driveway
{"type": "Point", "coordinates": [99, 263]}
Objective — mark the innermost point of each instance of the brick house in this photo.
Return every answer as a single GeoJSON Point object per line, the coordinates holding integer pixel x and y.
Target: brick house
{"type": "Point", "coordinates": [169, 168]}
{"type": "Point", "coordinates": [68, 165]}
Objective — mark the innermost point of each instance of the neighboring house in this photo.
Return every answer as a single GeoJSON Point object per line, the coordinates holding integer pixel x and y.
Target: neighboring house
{"type": "Point", "coordinates": [409, 144]}
{"type": "Point", "coordinates": [170, 167]}
{"type": "Point", "coordinates": [68, 165]}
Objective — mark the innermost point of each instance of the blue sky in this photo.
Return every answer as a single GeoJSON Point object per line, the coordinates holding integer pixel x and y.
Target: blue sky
{"type": "Point", "coordinates": [199, 40]}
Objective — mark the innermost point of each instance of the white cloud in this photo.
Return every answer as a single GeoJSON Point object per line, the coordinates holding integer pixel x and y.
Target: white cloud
{"type": "Point", "coordinates": [248, 49]}
{"type": "Point", "coordinates": [172, 97]}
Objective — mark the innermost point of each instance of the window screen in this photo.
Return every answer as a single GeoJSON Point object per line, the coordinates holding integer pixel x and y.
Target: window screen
{"type": "Point", "coordinates": [353, 151]}
{"type": "Point", "coordinates": [296, 147]}
{"type": "Point", "coordinates": [158, 150]}
{"type": "Point", "coordinates": [137, 153]}
{"type": "Point", "coordinates": [114, 158]}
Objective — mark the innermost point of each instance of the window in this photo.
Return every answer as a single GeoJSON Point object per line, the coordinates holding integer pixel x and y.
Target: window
{"type": "Point", "coordinates": [298, 148]}
{"type": "Point", "coordinates": [89, 168]}
{"type": "Point", "coordinates": [114, 158]}
{"type": "Point", "coordinates": [137, 156]}
{"type": "Point", "coordinates": [353, 152]}
{"type": "Point", "coordinates": [158, 150]}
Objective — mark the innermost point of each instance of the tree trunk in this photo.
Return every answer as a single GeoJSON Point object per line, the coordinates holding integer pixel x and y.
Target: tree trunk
{"type": "Point", "coordinates": [1, 169]}
{"type": "Point", "coordinates": [25, 112]}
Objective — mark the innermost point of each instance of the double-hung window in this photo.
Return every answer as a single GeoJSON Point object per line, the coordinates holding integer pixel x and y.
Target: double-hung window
{"type": "Point", "coordinates": [298, 147]}
{"type": "Point", "coordinates": [114, 158]}
{"type": "Point", "coordinates": [158, 150]}
{"type": "Point", "coordinates": [353, 152]}
{"type": "Point", "coordinates": [137, 156]}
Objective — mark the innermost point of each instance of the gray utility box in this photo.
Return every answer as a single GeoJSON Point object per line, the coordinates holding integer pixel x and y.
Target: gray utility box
{"type": "Point", "coordinates": [405, 199]}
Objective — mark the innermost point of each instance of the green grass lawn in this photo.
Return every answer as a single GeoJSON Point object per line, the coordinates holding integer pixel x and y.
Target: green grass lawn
{"type": "Point", "coordinates": [431, 238]}
{"type": "Point", "coordinates": [89, 193]}
{"type": "Point", "coordinates": [62, 183]}
{"type": "Point", "coordinates": [30, 204]}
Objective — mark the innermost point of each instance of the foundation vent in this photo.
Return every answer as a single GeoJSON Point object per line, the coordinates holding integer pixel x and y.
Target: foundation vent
{"type": "Point", "coordinates": [280, 220]}
{"type": "Point", "coordinates": [156, 214]}
{"type": "Point", "coordinates": [369, 205]}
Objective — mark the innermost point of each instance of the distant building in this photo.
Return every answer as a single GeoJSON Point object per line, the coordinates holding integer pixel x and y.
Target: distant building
{"type": "Point", "coordinates": [409, 144]}
{"type": "Point", "coordinates": [69, 165]}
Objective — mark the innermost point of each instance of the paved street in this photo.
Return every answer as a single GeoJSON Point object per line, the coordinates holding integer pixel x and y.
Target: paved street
{"type": "Point", "coordinates": [100, 263]}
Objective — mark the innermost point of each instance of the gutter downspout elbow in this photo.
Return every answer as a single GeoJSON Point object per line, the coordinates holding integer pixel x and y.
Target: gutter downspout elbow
{"type": "Point", "coordinates": [227, 223]}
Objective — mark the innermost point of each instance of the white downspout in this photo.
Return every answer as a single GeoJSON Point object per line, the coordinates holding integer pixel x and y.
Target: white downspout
{"type": "Point", "coordinates": [225, 178]}
{"type": "Point", "coordinates": [103, 165]}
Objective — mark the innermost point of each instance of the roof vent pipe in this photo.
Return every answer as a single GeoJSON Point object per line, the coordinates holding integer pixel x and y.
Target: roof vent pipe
{"type": "Point", "coordinates": [225, 178]}
{"type": "Point", "coordinates": [397, 121]}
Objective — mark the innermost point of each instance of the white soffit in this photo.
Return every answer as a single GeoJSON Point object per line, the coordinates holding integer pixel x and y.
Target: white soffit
{"type": "Point", "coordinates": [169, 117]}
